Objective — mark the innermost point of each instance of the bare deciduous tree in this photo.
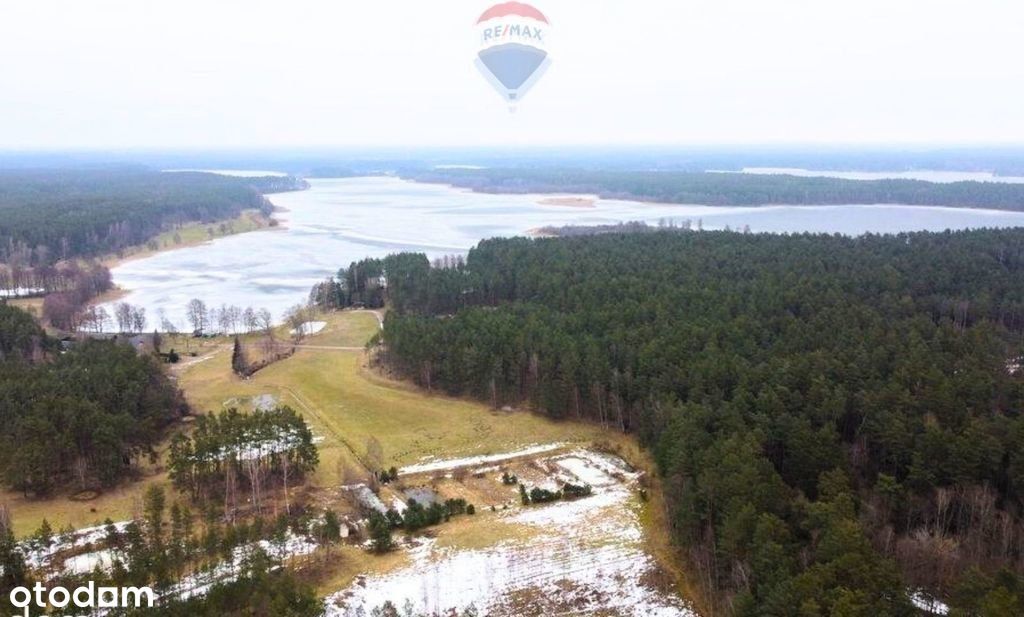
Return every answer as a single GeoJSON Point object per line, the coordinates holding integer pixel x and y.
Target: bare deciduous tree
{"type": "Point", "coordinates": [374, 454]}
{"type": "Point", "coordinates": [198, 315]}
{"type": "Point", "coordinates": [138, 318]}
{"type": "Point", "coordinates": [266, 321]}
{"type": "Point", "coordinates": [250, 320]}
{"type": "Point", "coordinates": [123, 316]}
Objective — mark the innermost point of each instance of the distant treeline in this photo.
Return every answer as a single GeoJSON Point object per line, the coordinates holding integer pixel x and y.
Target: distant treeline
{"type": "Point", "coordinates": [50, 215]}
{"type": "Point", "coordinates": [324, 163]}
{"type": "Point", "coordinates": [835, 419]}
{"type": "Point", "coordinates": [565, 231]}
{"type": "Point", "coordinates": [730, 189]}
{"type": "Point", "coordinates": [81, 417]}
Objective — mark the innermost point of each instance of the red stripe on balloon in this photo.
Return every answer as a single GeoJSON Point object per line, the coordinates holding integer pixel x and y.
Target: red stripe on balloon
{"type": "Point", "coordinates": [512, 8]}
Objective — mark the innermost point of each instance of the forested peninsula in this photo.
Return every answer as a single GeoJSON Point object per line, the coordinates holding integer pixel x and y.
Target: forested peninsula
{"type": "Point", "coordinates": [837, 420]}
{"type": "Point", "coordinates": [728, 189]}
{"type": "Point", "coordinates": [56, 224]}
{"type": "Point", "coordinates": [50, 215]}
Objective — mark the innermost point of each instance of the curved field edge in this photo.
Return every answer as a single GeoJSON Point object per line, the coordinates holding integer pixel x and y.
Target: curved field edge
{"type": "Point", "coordinates": [346, 403]}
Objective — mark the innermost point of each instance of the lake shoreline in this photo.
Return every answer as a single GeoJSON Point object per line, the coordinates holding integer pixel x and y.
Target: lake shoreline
{"type": "Point", "coordinates": [252, 221]}
{"type": "Point", "coordinates": [340, 221]}
{"type": "Point", "coordinates": [556, 197]}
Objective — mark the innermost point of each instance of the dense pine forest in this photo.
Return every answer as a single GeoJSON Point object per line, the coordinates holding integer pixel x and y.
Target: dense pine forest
{"type": "Point", "coordinates": [50, 215]}
{"type": "Point", "coordinates": [79, 418]}
{"type": "Point", "coordinates": [836, 420]}
{"type": "Point", "coordinates": [729, 189]}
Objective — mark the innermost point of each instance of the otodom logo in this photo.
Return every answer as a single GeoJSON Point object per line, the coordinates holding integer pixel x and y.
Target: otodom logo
{"type": "Point", "coordinates": [513, 51]}
{"type": "Point", "coordinates": [85, 600]}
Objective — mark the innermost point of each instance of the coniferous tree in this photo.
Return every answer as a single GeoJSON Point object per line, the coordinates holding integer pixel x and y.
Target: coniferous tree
{"type": "Point", "coordinates": [380, 533]}
{"type": "Point", "coordinates": [239, 364]}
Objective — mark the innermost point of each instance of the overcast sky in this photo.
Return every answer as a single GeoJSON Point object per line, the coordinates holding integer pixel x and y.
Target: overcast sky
{"type": "Point", "coordinates": [230, 73]}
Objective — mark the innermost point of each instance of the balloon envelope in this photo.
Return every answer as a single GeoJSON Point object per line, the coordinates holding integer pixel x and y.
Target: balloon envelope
{"type": "Point", "coordinates": [513, 52]}
{"type": "Point", "coordinates": [512, 65]}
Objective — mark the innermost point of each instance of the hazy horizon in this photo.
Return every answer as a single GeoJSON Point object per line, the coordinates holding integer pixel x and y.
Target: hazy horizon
{"type": "Point", "coordinates": [120, 75]}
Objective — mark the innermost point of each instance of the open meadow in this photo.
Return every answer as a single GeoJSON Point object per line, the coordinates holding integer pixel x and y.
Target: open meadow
{"type": "Point", "coordinates": [347, 404]}
{"type": "Point", "coordinates": [444, 447]}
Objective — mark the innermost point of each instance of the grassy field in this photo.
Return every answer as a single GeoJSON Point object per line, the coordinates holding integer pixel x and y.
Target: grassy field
{"type": "Point", "coordinates": [32, 306]}
{"type": "Point", "coordinates": [346, 404]}
{"type": "Point", "coordinates": [192, 234]}
{"type": "Point", "coordinates": [61, 510]}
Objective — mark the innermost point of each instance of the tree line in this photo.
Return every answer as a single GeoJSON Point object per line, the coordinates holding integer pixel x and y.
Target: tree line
{"type": "Point", "coordinates": [835, 419]}
{"type": "Point", "coordinates": [81, 417]}
{"type": "Point", "coordinates": [47, 216]}
{"type": "Point", "coordinates": [406, 286]}
{"type": "Point", "coordinates": [729, 189]}
{"type": "Point", "coordinates": [227, 451]}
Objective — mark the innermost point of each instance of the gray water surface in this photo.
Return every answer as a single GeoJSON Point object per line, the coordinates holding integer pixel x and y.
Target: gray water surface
{"type": "Point", "coordinates": [339, 221]}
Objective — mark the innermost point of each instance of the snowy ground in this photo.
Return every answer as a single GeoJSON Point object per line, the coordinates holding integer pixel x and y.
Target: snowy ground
{"type": "Point", "coordinates": [199, 584]}
{"type": "Point", "coordinates": [39, 555]}
{"type": "Point", "coordinates": [928, 604]}
{"type": "Point", "coordinates": [21, 292]}
{"type": "Point", "coordinates": [87, 563]}
{"type": "Point", "coordinates": [264, 402]}
{"type": "Point", "coordinates": [50, 558]}
{"type": "Point", "coordinates": [582, 556]}
{"type": "Point", "coordinates": [258, 447]}
{"type": "Point", "coordinates": [430, 466]}
{"type": "Point", "coordinates": [310, 328]}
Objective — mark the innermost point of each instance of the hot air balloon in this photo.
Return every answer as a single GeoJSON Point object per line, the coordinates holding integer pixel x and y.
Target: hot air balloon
{"type": "Point", "coordinates": [513, 53]}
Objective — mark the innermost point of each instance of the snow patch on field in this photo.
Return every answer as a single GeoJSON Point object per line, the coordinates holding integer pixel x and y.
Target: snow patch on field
{"type": "Point", "coordinates": [21, 292]}
{"type": "Point", "coordinates": [561, 576]}
{"type": "Point", "coordinates": [38, 554]}
{"type": "Point", "coordinates": [309, 328]}
{"type": "Point", "coordinates": [588, 555]}
{"type": "Point", "coordinates": [430, 465]}
{"type": "Point", "coordinates": [200, 583]}
{"type": "Point", "coordinates": [928, 604]}
{"type": "Point", "coordinates": [605, 513]}
{"type": "Point", "coordinates": [264, 402]}
{"type": "Point", "coordinates": [89, 562]}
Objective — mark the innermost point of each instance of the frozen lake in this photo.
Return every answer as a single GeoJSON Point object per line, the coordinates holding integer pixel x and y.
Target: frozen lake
{"type": "Point", "coordinates": [339, 221]}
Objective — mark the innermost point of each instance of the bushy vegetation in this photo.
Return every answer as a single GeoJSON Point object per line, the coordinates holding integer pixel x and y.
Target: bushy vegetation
{"type": "Point", "coordinates": [68, 295]}
{"type": "Point", "coordinates": [415, 517]}
{"type": "Point", "coordinates": [82, 416]}
{"type": "Point", "coordinates": [731, 189]}
{"type": "Point", "coordinates": [21, 337]}
{"type": "Point", "coordinates": [260, 592]}
{"type": "Point", "coordinates": [836, 419]}
{"type": "Point", "coordinates": [542, 495]}
{"type": "Point", "coordinates": [388, 609]}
